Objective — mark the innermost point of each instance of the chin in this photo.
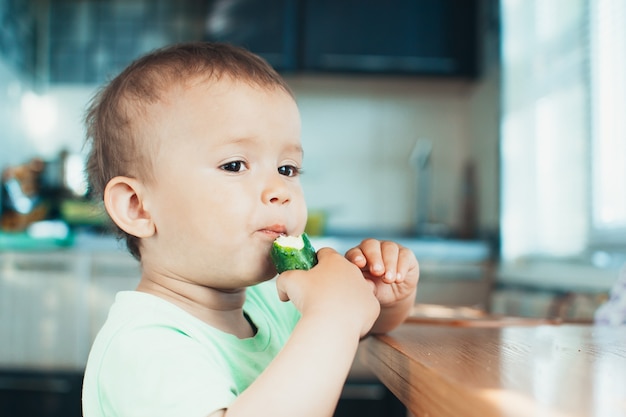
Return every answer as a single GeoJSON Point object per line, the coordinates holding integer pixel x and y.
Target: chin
{"type": "Point", "coordinates": [268, 272]}
{"type": "Point", "coordinates": [259, 269]}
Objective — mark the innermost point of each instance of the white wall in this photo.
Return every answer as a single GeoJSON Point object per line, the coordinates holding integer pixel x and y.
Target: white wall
{"type": "Point", "coordinates": [358, 134]}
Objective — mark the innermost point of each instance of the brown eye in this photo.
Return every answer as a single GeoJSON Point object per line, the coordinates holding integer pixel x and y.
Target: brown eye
{"type": "Point", "coordinates": [289, 170]}
{"type": "Point", "coordinates": [234, 166]}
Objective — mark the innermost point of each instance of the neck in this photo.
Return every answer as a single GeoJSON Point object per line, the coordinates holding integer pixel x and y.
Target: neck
{"type": "Point", "coordinates": [220, 308]}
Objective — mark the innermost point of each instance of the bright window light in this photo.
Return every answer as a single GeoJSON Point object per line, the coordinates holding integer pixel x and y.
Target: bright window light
{"type": "Point", "coordinates": [39, 116]}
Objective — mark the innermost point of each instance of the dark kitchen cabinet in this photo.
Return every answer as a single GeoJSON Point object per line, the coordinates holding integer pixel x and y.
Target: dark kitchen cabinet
{"type": "Point", "coordinates": [17, 36]}
{"type": "Point", "coordinates": [40, 394]}
{"type": "Point", "coordinates": [368, 398]}
{"type": "Point", "coordinates": [267, 27]}
{"type": "Point", "coordinates": [429, 37]}
{"type": "Point", "coordinates": [416, 37]}
{"type": "Point", "coordinates": [91, 41]}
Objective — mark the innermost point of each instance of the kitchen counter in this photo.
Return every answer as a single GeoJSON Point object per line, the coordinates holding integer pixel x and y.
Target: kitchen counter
{"type": "Point", "coordinates": [557, 275]}
{"type": "Point", "coordinates": [517, 370]}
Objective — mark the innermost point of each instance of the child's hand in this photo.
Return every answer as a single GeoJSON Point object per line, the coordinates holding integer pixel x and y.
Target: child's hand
{"type": "Point", "coordinates": [391, 267]}
{"type": "Point", "coordinates": [334, 291]}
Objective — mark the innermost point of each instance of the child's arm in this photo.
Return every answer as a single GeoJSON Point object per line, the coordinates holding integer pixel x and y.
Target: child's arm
{"type": "Point", "coordinates": [395, 272]}
{"type": "Point", "coordinates": [338, 308]}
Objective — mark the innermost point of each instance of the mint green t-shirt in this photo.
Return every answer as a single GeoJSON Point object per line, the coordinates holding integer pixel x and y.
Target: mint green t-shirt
{"type": "Point", "coordinates": [151, 358]}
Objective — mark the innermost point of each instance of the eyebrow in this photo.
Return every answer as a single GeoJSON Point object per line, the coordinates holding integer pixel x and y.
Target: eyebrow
{"type": "Point", "coordinates": [296, 148]}
{"type": "Point", "coordinates": [244, 140]}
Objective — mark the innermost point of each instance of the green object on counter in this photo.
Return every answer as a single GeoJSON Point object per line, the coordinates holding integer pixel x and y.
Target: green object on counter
{"type": "Point", "coordinates": [83, 212]}
{"type": "Point", "coordinates": [24, 241]}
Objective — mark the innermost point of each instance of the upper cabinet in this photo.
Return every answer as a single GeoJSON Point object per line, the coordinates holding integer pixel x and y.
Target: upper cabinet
{"type": "Point", "coordinates": [90, 41]}
{"type": "Point", "coordinates": [17, 39]}
{"type": "Point", "coordinates": [418, 37]}
{"type": "Point", "coordinates": [267, 27]}
{"type": "Point", "coordinates": [436, 37]}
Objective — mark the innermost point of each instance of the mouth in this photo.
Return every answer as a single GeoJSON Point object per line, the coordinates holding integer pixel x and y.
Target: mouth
{"type": "Point", "coordinates": [274, 231]}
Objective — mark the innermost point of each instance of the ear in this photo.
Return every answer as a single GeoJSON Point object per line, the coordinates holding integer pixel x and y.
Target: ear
{"type": "Point", "coordinates": [124, 201]}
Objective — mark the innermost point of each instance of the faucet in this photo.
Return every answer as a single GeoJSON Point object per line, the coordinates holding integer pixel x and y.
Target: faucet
{"type": "Point", "coordinates": [420, 159]}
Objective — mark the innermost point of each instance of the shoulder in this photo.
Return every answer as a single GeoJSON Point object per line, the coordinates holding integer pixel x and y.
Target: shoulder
{"type": "Point", "coordinates": [141, 324]}
{"type": "Point", "coordinates": [144, 339]}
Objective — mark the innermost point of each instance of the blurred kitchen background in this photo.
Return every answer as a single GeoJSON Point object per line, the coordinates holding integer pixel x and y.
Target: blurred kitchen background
{"type": "Point", "coordinates": [486, 135]}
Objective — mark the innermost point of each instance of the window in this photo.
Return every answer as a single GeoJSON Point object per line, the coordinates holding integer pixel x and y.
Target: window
{"type": "Point", "coordinates": [608, 111]}
{"type": "Point", "coordinates": [563, 126]}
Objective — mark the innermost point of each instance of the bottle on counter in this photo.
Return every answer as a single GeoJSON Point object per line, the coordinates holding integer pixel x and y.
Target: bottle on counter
{"type": "Point", "coordinates": [468, 226]}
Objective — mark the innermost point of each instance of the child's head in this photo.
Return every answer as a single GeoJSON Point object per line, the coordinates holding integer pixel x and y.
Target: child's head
{"type": "Point", "coordinates": [185, 133]}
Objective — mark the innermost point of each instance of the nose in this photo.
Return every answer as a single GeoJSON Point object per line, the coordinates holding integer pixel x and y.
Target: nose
{"type": "Point", "coordinates": [276, 190]}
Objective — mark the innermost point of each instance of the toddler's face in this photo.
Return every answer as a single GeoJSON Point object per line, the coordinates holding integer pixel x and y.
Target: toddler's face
{"type": "Point", "coordinates": [226, 181]}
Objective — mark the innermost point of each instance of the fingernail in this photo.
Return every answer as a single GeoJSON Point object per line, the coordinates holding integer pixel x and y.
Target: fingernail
{"type": "Point", "coordinates": [377, 267]}
{"type": "Point", "coordinates": [389, 276]}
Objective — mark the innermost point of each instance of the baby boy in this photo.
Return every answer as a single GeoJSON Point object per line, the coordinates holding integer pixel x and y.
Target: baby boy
{"type": "Point", "coordinates": [196, 153]}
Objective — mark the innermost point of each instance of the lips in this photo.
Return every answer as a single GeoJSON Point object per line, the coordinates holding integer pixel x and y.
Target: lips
{"type": "Point", "coordinates": [274, 231]}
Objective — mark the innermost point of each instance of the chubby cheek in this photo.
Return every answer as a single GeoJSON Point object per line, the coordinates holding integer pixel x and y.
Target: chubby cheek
{"type": "Point", "coordinates": [301, 216]}
{"type": "Point", "coordinates": [239, 264]}
{"type": "Point", "coordinates": [228, 238]}
{"type": "Point", "coordinates": [233, 263]}
{"type": "Point", "coordinates": [215, 233]}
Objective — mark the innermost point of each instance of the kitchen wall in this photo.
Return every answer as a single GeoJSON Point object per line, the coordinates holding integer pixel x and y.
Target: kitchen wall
{"type": "Point", "coordinates": [358, 133]}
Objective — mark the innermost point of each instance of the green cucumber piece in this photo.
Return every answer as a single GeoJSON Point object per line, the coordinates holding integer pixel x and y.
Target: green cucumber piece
{"type": "Point", "coordinates": [293, 252]}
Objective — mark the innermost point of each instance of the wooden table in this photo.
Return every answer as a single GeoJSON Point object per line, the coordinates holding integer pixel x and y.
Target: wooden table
{"type": "Point", "coordinates": [526, 371]}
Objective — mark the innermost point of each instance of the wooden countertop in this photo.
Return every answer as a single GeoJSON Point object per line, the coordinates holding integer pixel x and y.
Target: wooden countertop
{"type": "Point", "coordinates": [465, 371]}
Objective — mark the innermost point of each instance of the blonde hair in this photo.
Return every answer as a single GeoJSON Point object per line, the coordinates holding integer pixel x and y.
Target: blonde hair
{"type": "Point", "coordinates": [113, 115]}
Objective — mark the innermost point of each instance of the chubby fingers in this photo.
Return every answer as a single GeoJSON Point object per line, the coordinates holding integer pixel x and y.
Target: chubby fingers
{"type": "Point", "coordinates": [368, 256]}
{"type": "Point", "coordinates": [384, 259]}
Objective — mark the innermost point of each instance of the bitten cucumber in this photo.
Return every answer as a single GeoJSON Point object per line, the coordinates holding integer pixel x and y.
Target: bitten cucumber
{"type": "Point", "coordinates": [293, 252]}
